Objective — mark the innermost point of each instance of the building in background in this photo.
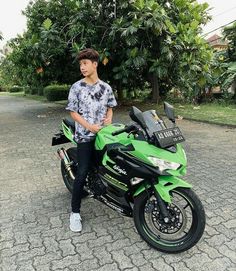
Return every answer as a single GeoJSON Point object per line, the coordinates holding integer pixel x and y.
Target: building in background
{"type": "Point", "coordinates": [217, 43]}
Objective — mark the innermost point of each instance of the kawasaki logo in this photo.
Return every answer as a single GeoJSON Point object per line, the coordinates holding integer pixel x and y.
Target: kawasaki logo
{"type": "Point", "coordinates": [120, 170]}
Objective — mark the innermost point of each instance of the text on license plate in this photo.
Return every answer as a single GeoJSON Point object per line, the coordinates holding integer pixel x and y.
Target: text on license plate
{"type": "Point", "coordinates": [169, 133]}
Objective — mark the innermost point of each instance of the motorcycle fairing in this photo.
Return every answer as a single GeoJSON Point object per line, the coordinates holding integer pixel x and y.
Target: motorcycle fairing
{"type": "Point", "coordinates": [163, 186]}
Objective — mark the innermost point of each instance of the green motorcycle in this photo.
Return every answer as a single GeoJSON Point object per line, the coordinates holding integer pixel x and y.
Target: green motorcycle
{"type": "Point", "coordinates": [136, 173]}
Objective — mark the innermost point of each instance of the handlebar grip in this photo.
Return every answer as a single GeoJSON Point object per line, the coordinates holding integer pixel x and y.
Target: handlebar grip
{"type": "Point", "coordinates": [127, 129]}
{"type": "Point", "coordinates": [118, 132]}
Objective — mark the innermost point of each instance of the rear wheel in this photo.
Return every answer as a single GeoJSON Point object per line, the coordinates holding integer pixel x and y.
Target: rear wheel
{"type": "Point", "coordinates": [186, 225]}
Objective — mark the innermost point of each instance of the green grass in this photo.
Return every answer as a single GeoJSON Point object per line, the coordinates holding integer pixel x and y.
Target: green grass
{"type": "Point", "coordinates": [211, 113]}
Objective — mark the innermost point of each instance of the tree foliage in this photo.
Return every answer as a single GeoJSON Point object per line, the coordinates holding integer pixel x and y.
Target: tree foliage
{"type": "Point", "coordinates": [224, 64]}
{"type": "Point", "coordinates": [229, 75]}
{"type": "Point", "coordinates": [139, 41]}
{"type": "Point", "coordinates": [230, 35]}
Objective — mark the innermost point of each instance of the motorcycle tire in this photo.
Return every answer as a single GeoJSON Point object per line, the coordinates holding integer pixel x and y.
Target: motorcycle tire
{"type": "Point", "coordinates": [69, 182]}
{"type": "Point", "coordinates": [185, 227]}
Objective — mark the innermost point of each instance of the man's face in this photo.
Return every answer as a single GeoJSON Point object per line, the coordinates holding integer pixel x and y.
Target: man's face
{"type": "Point", "coordinates": [87, 67]}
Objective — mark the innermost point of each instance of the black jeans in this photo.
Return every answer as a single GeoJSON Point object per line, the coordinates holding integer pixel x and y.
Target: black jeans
{"type": "Point", "coordinates": [85, 155]}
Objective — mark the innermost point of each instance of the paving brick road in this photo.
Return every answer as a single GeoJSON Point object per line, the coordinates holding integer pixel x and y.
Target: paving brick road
{"type": "Point", "coordinates": [35, 205]}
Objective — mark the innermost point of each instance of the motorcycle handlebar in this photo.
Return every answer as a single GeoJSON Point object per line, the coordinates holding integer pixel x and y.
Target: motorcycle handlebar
{"type": "Point", "coordinates": [126, 129]}
{"type": "Point", "coordinates": [119, 132]}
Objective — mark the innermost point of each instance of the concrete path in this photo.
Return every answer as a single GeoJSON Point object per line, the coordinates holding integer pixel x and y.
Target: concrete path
{"type": "Point", "coordinates": [35, 205]}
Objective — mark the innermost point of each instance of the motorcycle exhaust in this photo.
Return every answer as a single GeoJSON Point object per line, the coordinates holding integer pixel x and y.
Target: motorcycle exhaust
{"type": "Point", "coordinates": [66, 160]}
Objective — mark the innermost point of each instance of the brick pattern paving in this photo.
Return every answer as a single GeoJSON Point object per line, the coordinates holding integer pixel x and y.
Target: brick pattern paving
{"type": "Point", "coordinates": [35, 205]}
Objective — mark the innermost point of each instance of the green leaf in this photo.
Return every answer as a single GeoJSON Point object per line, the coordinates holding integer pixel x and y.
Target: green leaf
{"type": "Point", "coordinates": [77, 4]}
{"type": "Point", "coordinates": [170, 26]}
{"type": "Point", "coordinates": [34, 39]}
{"type": "Point", "coordinates": [232, 67]}
{"type": "Point", "coordinates": [194, 24]}
{"type": "Point", "coordinates": [202, 81]}
{"type": "Point", "coordinates": [136, 22]}
{"type": "Point", "coordinates": [139, 4]}
{"type": "Point", "coordinates": [138, 62]}
{"type": "Point", "coordinates": [155, 6]}
{"type": "Point", "coordinates": [47, 24]}
{"type": "Point", "coordinates": [133, 52]}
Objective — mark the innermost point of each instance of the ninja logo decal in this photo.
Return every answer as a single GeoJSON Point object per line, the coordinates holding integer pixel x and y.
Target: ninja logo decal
{"type": "Point", "coordinates": [120, 170]}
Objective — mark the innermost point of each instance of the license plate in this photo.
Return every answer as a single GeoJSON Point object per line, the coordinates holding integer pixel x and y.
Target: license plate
{"type": "Point", "coordinates": [169, 137]}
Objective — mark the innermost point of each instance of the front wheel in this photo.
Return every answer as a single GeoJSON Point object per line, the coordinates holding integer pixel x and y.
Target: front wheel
{"type": "Point", "coordinates": [186, 225]}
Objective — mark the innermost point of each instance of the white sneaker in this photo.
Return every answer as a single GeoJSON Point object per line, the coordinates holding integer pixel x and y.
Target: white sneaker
{"type": "Point", "coordinates": [75, 222]}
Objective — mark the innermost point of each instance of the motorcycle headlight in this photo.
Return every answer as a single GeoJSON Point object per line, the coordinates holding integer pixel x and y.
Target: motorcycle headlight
{"type": "Point", "coordinates": [162, 164]}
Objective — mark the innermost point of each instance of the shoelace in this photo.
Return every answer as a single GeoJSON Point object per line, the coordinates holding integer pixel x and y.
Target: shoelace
{"type": "Point", "coordinates": [77, 217]}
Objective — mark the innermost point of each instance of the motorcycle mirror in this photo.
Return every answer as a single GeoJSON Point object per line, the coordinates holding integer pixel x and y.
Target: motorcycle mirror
{"type": "Point", "coordinates": [133, 113]}
{"type": "Point", "coordinates": [169, 110]}
{"type": "Point", "coordinates": [136, 115]}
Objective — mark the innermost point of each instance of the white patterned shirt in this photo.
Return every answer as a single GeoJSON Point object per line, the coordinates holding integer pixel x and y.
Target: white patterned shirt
{"type": "Point", "coordinates": [91, 102]}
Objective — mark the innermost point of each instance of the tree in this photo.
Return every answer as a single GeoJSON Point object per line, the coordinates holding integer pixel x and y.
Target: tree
{"type": "Point", "coordinates": [42, 55]}
{"type": "Point", "coordinates": [229, 33]}
{"type": "Point", "coordinates": [155, 41]}
{"type": "Point", "coordinates": [139, 41]}
{"type": "Point", "coordinates": [229, 75]}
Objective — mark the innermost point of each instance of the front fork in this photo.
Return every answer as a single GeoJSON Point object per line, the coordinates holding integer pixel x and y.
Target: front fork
{"type": "Point", "coordinates": [162, 188]}
{"type": "Point", "coordinates": [161, 203]}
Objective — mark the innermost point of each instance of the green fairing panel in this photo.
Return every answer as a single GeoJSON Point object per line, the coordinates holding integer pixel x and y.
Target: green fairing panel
{"type": "Point", "coordinates": [68, 133]}
{"type": "Point", "coordinates": [171, 183]}
{"type": "Point", "coordinates": [105, 159]}
{"type": "Point", "coordinates": [143, 150]}
{"type": "Point", "coordinates": [104, 136]}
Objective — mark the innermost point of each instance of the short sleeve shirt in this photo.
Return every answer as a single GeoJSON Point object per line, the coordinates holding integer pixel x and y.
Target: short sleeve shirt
{"type": "Point", "coordinates": [91, 102]}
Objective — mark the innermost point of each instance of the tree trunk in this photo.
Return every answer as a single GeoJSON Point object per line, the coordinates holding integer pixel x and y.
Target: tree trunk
{"type": "Point", "coordinates": [120, 93]}
{"type": "Point", "coordinates": [155, 89]}
{"type": "Point", "coordinates": [234, 90]}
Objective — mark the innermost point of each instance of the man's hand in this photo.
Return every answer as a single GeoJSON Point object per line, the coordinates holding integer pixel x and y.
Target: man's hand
{"type": "Point", "coordinates": [107, 121]}
{"type": "Point", "coordinates": [94, 128]}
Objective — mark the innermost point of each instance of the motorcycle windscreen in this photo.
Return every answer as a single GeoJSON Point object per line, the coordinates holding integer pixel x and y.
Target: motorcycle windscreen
{"type": "Point", "coordinates": [151, 124]}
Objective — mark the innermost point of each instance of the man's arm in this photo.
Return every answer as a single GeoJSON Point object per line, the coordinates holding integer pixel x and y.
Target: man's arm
{"type": "Point", "coordinates": [94, 128]}
{"type": "Point", "coordinates": [109, 115]}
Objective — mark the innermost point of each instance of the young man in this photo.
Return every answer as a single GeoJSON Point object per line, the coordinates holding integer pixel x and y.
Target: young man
{"type": "Point", "coordinates": [90, 103]}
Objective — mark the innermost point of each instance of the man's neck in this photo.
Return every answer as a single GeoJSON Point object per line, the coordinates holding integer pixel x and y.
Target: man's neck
{"type": "Point", "coordinates": [91, 80]}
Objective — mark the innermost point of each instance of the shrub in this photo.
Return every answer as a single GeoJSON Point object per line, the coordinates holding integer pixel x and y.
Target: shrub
{"type": "Point", "coordinates": [40, 91]}
{"type": "Point", "coordinates": [16, 89]}
{"type": "Point", "coordinates": [3, 88]}
{"type": "Point", "coordinates": [33, 90]}
{"type": "Point", "coordinates": [56, 92]}
{"type": "Point", "coordinates": [27, 90]}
